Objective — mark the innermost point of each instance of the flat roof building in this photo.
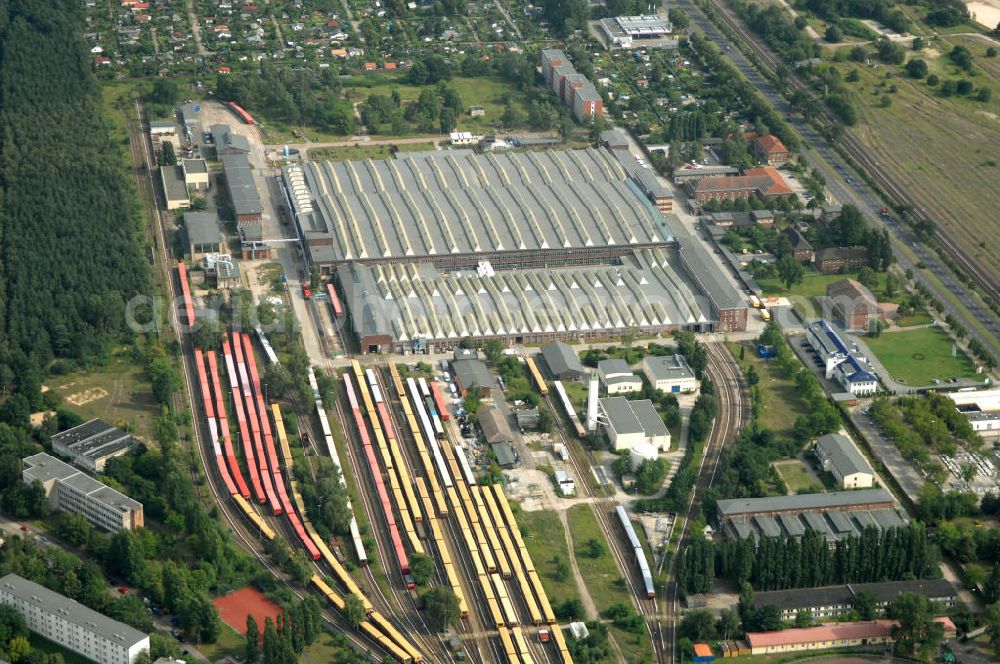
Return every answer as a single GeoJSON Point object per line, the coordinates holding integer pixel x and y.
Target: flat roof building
{"type": "Point", "coordinates": [72, 625]}
{"type": "Point", "coordinates": [669, 373]}
{"type": "Point", "coordinates": [70, 490]}
{"type": "Point", "coordinates": [175, 192]}
{"type": "Point", "coordinates": [839, 456]}
{"type": "Point", "coordinates": [618, 377]}
{"type": "Point", "coordinates": [195, 174]}
{"type": "Point", "coordinates": [629, 423]}
{"type": "Point", "coordinates": [243, 195]}
{"type": "Point", "coordinates": [562, 361]}
{"type": "Point", "coordinates": [162, 128]}
{"type": "Point", "coordinates": [92, 443]}
{"type": "Point", "coordinates": [982, 408]}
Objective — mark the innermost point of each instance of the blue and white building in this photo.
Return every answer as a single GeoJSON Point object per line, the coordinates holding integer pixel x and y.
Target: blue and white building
{"type": "Point", "coordinates": [840, 363]}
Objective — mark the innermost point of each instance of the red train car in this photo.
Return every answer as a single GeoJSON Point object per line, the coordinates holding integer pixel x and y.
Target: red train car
{"type": "Point", "coordinates": [187, 304]}
{"type": "Point", "coordinates": [254, 425]}
{"type": "Point", "coordinates": [206, 399]}
{"type": "Point", "coordinates": [241, 421]}
{"type": "Point", "coordinates": [243, 115]}
{"type": "Point", "coordinates": [373, 467]}
{"type": "Point", "coordinates": [442, 407]}
{"type": "Point", "coordinates": [227, 443]}
{"type": "Point", "coordinates": [338, 311]}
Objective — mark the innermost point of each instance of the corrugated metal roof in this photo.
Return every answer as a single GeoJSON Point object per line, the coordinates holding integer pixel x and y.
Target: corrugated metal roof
{"type": "Point", "coordinates": [812, 501]}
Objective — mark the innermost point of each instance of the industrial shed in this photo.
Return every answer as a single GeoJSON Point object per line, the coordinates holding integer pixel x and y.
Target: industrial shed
{"type": "Point", "coordinates": [203, 233]}
{"type": "Point", "coordinates": [562, 361]}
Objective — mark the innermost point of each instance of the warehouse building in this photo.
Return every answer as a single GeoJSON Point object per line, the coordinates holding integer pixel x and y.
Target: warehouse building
{"type": "Point", "coordinates": [727, 306]}
{"type": "Point", "coordinates": [175, 192]}
{"type": "Point", "coordinates": [203, 232]}
{"type": "Point", "coordinates": [227, 143]}
{"type": "Point", "coordinates": [72, 625]}
{"type": "Point", "coordinates": [562, 361]}
{"type": "Point", "coordinates": [982, 408]}
{"type": "Point", "coordinates": [669, 373]}
{"type": "Point", "coordinates": [69, 490]}
{"type": "Point", "coordinates": [618, 377]}
{"type": "Point", "coordinates": [244, 196]}
{"type": "Point", "coordinates": [629, 423]}
{"type": "Point", "coordinates": [473, 373]}
{"type": "Point", "coordinates": [841, 458]}
{"type": "Point", "coordinates": [91, 444]}
{"type": "Point", "coordinates": [834, 515]}
{"type": "Point", "coordinates": [832, 635]}
{"type": "Point", "coordinates": [830, 602]}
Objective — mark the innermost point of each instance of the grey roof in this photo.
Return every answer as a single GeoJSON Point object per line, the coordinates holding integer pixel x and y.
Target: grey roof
{"type": "Point", "coordinates": [635, 381]}
{"type": "Point", "coordinates": [768, 526]}
{"type": "Point", "coordinates": [189, 116]}
{"type": "Point", "coordinates": [806, 502]}
{"type": "Point", "coordinates": [494, 425]}
{"type": "Point", "coordinates": [792, 524]}
{"type": "Point", "coordinates": [427, 204]}
{"type": "Point", "coordinates": [886, 519]}
{"type": "Point", "coordinates": [195, 165]}
{"type": "Point", "coordinates": [886, 591]}
{"type": "Point", "coordinates": [635, 416]}
{"type": "Point", "coordinates": [615, 136]}
{"type": "Point", "coordinates": [71, 611]}
{"type": "Point", "coordinates": [505, 454]}
{"type": "Point", "coordinates": [842, 453]}
{"type": "Point", "coordinates": [225, 139]}
{"type": "Point", "coordinates": [614, 366]}
{"type": "Point", "coordinates": [162, 124]}
{"type": "Point", "coordinates": [472, 372]}
{"type": "Point", "coordinates": [841, 522]}
{"type": "Point", "coordinates": [864, 519]}
{"type": "Point", "coordinates": [690, 172]}
{"type": "Point", "coordinates": [44, 468]}
{"type": "Point", "coordinates": [707, 273]}
{"type": "Point", "coordinates": [407, 301]}
{"type": "Point", "coordinates": [644, 25]}
{"type": "Point", "coordinates": [202, 227]}
{"type": "Point", "coordinates": [173, 183]}
{"type": "Point", "coordinates": [94, 439]}
{"type": "Point", "coordinates": [587, 93]}
{"type": "Point", "coordinates": [651, 184]}
{"type": "Point", "coordinates": [561, 358]}
{"type": "Point", "coordinates": [815, 521]}
{"type": "Point", "coordinates": [667, 367]}
{"type": "Point", "coordinates": [242, 188]}
{"type": "Point", "coordinates": [797, 239]}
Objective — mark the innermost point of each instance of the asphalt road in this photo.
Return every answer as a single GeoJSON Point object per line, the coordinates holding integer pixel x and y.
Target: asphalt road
{"type": "Point", "coordinates": [848, 188]}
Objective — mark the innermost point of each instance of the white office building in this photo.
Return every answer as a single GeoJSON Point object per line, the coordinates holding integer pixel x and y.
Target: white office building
{"type": "Point", "coordinates": [617, 377]}
{"type": "Point", "coordinates": [629, 423]}
{"type": "Point", "coordinates": [669, 373]}
{"type": "Point", "coordinates": [69, 490]}
{"type": "Point", "coordinates": [72, 625]}
{"type": "Point", "coordinates": [839, 362]}
{"type": "Point", "coordinates": [982, 408]}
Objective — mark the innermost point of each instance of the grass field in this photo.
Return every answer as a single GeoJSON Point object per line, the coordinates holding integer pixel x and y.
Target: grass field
{"type": "Point", "coordinates": [924, 154]}
{"type": "Point", "coordinates": [543, 536]}
{"type": "Point", "coordinates": [917, 356]}
{"type": "Point", "coordinates": [229, 644]}
{"type": "Point", "coordinates": [814, 285]}
{"type": "Point", "coordinates": [780, 399]}
{"type": "Point", "coordinates": [603, 578]}
{"type": "Point", "coordinates": [919, 318]}
{"type": "Point", "coordinates": [362, 151]}
{"type": "Point", "coordinates": [797, 477]}
{"type": "Point", "coordinates": [119, 393]}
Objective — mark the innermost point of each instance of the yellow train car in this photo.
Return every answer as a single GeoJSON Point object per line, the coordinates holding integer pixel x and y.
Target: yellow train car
{"type": "Point", "coordinates": [508, 645]}
{"type": "Point", "coordinates": [536, 376]}
{"type": "Point", "coordinates": [387, 628]}
{"type": "Point", "coordinates": [522, 646]}
{"type": "Point", "coordinates": [543, 600]}
{"type": "Point", "coordinates": [492, 536]}
{"type": "Point", "coordinates": [386, 643]}
{"type": "Point", "coordinates": [326, 591]}
{"type": "Point", "coordinates": [340, 571]}
{"type": "Point", "coordinates": [254, 518]}
{"type": "Point", "coordinates": [491, 602]}
{"type": "Point", "coordinates": [279, 427]}
{"type": "Point", "coordinates": [557, 636]}
{"type": "Point", "coordinates": [510, 616]}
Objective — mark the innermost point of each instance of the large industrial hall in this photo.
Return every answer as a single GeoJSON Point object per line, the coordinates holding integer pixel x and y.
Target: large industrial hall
{"type": "Point", "coordinates": [434, 247]}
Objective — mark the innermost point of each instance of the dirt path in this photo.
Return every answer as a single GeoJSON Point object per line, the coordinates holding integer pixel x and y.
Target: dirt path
{"type": "Point", "coordinates": [589, 607]}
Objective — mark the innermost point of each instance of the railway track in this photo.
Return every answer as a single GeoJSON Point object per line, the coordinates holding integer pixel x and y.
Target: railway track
{"type": "Point", "coordinates": [863, 156]}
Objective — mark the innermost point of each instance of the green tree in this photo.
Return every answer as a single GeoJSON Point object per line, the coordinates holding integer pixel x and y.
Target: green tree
{"type": "Point", "coordinates": [790, 271]}
{"type": "Point", "coordinates": [679, 18]}
{"type": "Point", "coordinates": [916, 68]}
{"type": "Point", "coordinates": [421, 568]}
{"type": "Point", "coordinates": [442, 608]}
{"type": "Point", "coordinates": [697, 625]}
{"type": "Point", "coordinates": [728, 625]}
{"type": "Point", "coordinates": [594, 548]}
{"type": "Point", "coordinates": [866, 604]}
{"type": "Point", "coordinates": [251, 647]}
{"type": "Point", "coordinates": [493, 350]}
{"type": "Point", "coordinates": [73, 528]}
{"type": "Point", "coordinates": [354, 610]}
{"type": "Point", "coordinates": [916, 629]}
{"type": "Point", "coordinates": [804, 618]}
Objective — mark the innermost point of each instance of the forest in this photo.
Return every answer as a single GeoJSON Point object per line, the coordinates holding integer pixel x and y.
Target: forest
{"type": "Point", "coordinates": [69, 244]}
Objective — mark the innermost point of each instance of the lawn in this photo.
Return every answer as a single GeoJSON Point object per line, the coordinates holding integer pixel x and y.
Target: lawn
{"type": "Point", "coordinates": [44, 645]}
{"type": "Point", "coordinates": [919, 318]}
{"type": "Point", "coordinates": [917, 356]}
{"type": "Point", "coordinates": [797, 477]}
{"type": "Point", "coordinates": [327, 648]}
{"type": "Point", "coordinates": [229, 644]}
{"type": "Point", "coordinates": [910, 141]}
{"type": "Point", "coordinates": [361, 151]}
{"type": "Point", "coordinates": [543, 535]}
{"type": "Point", "coordinates": [602, 576]}
{"type": "Point", "coordinates": [814, 285]}
{"type": "Point", "coordinates": [118, 393]}
{"type": "Point", "coordinates": [577, 393]}
{"type": "Point", "coordinates": [780, 398]}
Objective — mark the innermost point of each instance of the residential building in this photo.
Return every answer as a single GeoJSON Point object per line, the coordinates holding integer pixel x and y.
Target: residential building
{"type": "Point", "coordinates": [91, 444]}
{"type": "Point", "coordinates": [175, 192]}
{"type": "Point", "coordinates": [70, 490]}
{"type": "Point", "coordinates": [852, 305]}
{"type": "Point", "coordinates": [830, 602]}
{"type": "Point", "coordinates": [72, 625]}
{"type": "Point", "coordinates": [587, 102]}
{"type": "Point", "coordinates": [669, 373]}
{"type": "Point", "coordinates": [841, 458]}
{"type": "Point", "coordinates": [562, 361]}
{"type": "Point", "coordinates": [195, 174]}
{"type": "Point", "coordinates": [628, 423]}
{"type": "Point", "coordinates": [835, 515]}
{"type": "Point", "coordinates": [769, 150]}
{"type": "Point", "coordinates": [764, 182]}
{"type": "Point", "coordinates": [204, 233]}
{"type": "Point", "coordinates": [801, 249]}
{"type": "Point", "coordinates": [831, 635]}
{"type": "Point", "coordinates": [837, 259]}
{"type": "Point", "coordinates": [227, 143]}
{"type": "Point", "coordinates": [576, 92]}
{"type": "Point", "coordinates": [840, 364]}
{"type": "Point", "coordinates": [618, 377]}
{"type": "Point", "coordinates": [982, 408]}
{"type": "Point", "coordinates": [471, 373]}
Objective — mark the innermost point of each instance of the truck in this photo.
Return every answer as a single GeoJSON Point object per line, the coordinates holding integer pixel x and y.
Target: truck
{"type": "Point", "coordinates": [306, 291]}
{"type": "Point", "coordinates": [765, 314]}
{"type": "Point", "coordinates": [755, 301]}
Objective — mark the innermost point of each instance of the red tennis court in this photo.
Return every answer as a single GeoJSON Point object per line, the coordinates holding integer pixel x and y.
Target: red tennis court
{"type": "Point", "coordinates": [234, 607]}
